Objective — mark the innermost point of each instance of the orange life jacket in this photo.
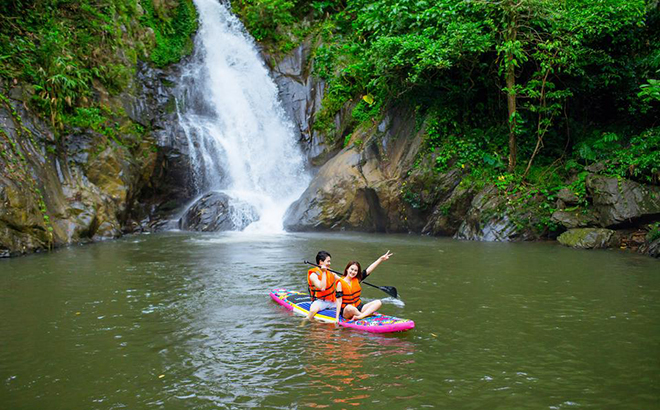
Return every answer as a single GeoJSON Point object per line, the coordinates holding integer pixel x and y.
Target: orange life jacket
{"type": "Point", "coordinates": [351, 290]}
{"type": "Point", "coordinates": [330, 283]}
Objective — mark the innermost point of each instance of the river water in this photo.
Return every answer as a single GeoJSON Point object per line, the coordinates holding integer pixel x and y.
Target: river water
{"type": "Point", "coordinates": [184, 321]}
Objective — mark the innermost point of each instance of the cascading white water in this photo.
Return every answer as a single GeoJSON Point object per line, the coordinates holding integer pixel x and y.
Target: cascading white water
{"type": "Point", "coordinates": [240, 140]}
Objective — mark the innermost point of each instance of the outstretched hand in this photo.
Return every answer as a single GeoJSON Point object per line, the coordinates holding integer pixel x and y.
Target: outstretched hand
{"type": "Point", "coordinates": [386, 256]}
{"type": "Point", "coordinates": [377, 262]}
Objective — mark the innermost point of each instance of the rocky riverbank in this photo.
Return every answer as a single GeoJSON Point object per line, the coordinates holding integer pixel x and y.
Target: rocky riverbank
{"type": "Point", "coordinates": [84, 186]}
{"type": "Point", "coordinates": [382, 180]}
{"type": "Point", "coordinates": [77, 184]}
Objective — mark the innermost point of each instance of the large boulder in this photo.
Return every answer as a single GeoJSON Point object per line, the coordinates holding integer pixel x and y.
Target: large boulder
{"type": "Point", "coordinates": [360, 187]}
{"type": "Point", "coordinates": [589, 238]}
{"type": "Point", "coordinates": [567, 197]}
{"type": "Point", "coordinates": [619, 201]}
{"type": "Point", "coordinates": [217, 211]}
{"type": "Point", "coordinates": [576, 218]}
{"type": "Point", "coordinates": [338, 197]}
{"type": "Point", "coordinates": [490, 218]}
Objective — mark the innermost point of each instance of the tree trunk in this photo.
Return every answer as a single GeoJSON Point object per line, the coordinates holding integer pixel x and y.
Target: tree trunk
{"type": "Point", "coordinates": [510, 35]}
{"type": "Point", "coordinates": [511, 103]}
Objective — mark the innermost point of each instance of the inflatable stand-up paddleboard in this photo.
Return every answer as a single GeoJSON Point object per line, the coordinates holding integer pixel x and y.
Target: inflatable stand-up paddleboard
{"type": "Point", "coordinates": [376, 323]}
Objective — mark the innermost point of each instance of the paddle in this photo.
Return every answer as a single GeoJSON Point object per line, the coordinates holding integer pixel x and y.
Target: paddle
{"type": "Point", "coordinates": [390, 290]}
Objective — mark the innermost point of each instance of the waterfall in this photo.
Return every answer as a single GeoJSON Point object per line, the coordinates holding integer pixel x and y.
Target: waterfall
{"type": "Point", "coordinates": [241, 142]}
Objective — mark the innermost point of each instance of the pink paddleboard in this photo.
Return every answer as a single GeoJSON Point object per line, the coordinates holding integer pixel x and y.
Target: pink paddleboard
{"type": "Point", "coordinates": [299, 303]}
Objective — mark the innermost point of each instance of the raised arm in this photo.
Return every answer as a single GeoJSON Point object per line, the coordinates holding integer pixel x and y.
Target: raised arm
{"type": "Point", "coordinates": [377, 262]}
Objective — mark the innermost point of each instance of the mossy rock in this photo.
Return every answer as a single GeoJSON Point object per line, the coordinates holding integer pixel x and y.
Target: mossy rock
{"type": "Point", "coordinates": [588, 238]}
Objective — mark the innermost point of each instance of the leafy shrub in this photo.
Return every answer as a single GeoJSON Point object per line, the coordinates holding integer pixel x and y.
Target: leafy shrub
{"type": "Point", "coordinates": [62, 50]}
{"type": "Point", "coordinates": [263, 17]}
{"type": "Point", "coordinates": [366, 109]}
{"type": "Point", "coordinates": [454, 145]}
{"type": "Point", "coordinates": [173, 34]}
{"type": "Point", "coordinates": [639, 158]}
{"type": "Point", "coordinates": [654, 232]}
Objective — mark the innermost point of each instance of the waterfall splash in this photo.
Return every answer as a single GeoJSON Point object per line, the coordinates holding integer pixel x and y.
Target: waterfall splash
{"type": "Point", "coordinates": [240, 140]}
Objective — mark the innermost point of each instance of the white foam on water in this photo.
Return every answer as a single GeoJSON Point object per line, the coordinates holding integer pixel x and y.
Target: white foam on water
{"type": "Point", "coordinates": [393, 301]}
{"type": "Point", "coordinates": [246, 236]}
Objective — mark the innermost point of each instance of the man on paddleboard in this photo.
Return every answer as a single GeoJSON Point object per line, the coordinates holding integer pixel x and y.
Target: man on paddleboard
{"type": "Point", "coordinates": [321, 283]}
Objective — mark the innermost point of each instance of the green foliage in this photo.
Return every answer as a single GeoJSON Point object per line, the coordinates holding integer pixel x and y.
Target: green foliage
{"type": "Point", "coordinates": [579, 187]}
{"type": "Point", "coordinates": [325, 61]}
{"type": "Point", "coordinates": [454, 54]}
{"type": "Point", "coordinates": [64, 51]}
{"type": "Point", "coordinates": [87, 118]}
{"type": "Point", "coordinates": [654, 232]}
{"type": "Point", "coordinates": [262, 17]}
{"type": "Point", "coordinates": [282, 24]}
{"type": "Point", "coordinates": [347, 140]}
{"type": "Point", "coordinates": [598, 147]}
{"type": "Point", "coordinates": [505, 181]}
{"type": "Point", "coordinates": [650, 91]}
{"type": "Point", "coordinates": [366, 110]}
{"type": "Point", "coordinates": [637, 158]}
{"type": "Point", "coordinates": [640, 158]}
{"type": "Point", "coordinates": [453, 144]}
{"type": "Point", "coordinates": [412, 197]}
{"type": "Point", "coordinates": [326, 6]}
{"type": "Point", "coordinates": [173, 33]}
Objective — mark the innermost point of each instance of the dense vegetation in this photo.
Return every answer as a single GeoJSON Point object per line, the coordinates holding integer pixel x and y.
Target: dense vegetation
{"type": "Point", "coordinates": [67, 54]}
{"type": "Point", "coordinates": [523, 93]}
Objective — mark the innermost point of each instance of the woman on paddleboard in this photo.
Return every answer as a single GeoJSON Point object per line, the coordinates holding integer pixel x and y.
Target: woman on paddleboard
{"type": "Point", "coordinates": [349, 290]}
{"type": "Point", "coordinates": [322, 286]}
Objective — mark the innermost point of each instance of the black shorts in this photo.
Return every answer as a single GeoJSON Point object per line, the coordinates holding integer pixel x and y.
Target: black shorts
{"type": "Point", "coordinates": [359, 307]}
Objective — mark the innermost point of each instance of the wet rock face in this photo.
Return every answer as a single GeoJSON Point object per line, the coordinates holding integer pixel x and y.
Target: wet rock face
{"type": "Point", "coordinates": [83, 186]}
{"type": "Point", "coordinates": [216, 212]}
{"type": "Point", "coordinates": [621, 201]}
{"type": "Point", "coordinates": [489, 218]}
{"type": "Point", "coordinates": [301, 94]}
{"type": "Point", "coordinates": [449, 201]}
{"type": "Point", "coordinates": [150, 100]}
{"type": "Point", "coordinates": [578, 218]}
{"type": "Point", "coordinates": [72, 192]}
{"type": "Point", "coordinates": [167, 176]}
{"type": "Point", "coordinates": [651, 248]}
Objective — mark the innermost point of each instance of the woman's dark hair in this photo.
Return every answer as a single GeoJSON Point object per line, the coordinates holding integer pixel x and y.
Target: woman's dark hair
{"type": "Point", "coordinates": [321, 256]}
{"type": "Point", "coordinates": [359, 274]}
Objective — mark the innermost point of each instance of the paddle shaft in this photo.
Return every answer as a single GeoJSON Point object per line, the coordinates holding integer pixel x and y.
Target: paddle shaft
{"type": "Point", "coordinates": [390, 290]}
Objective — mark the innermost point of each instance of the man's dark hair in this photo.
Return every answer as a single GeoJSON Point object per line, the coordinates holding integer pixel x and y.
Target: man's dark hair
{"type": "Point", "coordinates": [321, 256]}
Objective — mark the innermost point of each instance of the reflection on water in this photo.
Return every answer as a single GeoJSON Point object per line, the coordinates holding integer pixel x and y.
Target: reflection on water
{"type": "Point", "coordinates": [184, 320]}
{"type": "Point", "coordinates": [342, 362]}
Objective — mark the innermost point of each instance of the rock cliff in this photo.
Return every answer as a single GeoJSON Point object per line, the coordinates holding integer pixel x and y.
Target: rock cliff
{"type": "Point", "coordinates": [382, 180]}
{"type": "Point", "coordinates": [82, 186]}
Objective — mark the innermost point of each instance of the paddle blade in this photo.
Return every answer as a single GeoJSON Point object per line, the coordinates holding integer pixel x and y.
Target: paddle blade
{"type": "Point", "coordinates": [390, 290]}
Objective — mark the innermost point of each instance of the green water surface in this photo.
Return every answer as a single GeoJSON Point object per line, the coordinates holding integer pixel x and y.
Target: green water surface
{"type": "Point", "coordinates": [184, 321]}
